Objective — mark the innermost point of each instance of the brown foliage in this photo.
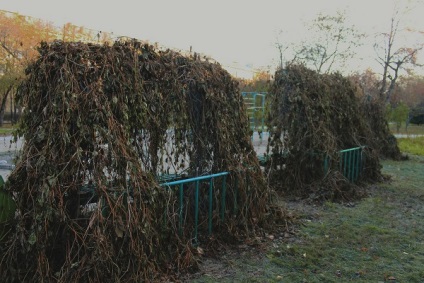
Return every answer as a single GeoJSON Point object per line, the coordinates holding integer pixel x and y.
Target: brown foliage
{"type": "Point", "coordinates": [111, 119]}
{"type": "Point", "coordinates": [380, 139]}
{"type": "Point", "coordinates": [314, 116]}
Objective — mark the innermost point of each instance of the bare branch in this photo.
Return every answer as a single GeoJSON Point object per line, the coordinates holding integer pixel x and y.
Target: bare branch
{"type": "Point", "coordinates": [8, 50]}
{"type": "Point", "coordinates": [333, 42]}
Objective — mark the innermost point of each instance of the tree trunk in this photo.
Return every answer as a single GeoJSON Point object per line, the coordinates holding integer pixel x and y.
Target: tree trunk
{"type": "Point", "coordinates": [3, 104]}
{"type": "Point", "coordinates": [387, 59]}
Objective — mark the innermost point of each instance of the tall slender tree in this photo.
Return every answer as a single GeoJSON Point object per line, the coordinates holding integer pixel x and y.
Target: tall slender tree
{"type": "Point", "coordinates": [394, 56]}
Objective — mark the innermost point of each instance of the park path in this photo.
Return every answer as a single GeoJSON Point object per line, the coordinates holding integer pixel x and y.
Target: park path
{"type": "Point", "coordinates": [407, 136]}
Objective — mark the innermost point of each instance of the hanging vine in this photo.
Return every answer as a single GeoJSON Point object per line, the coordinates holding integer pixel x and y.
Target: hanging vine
{"type": "Point", "coordinates": [101, 124]}
{"type": "Point", "coordinates": [314, 116]}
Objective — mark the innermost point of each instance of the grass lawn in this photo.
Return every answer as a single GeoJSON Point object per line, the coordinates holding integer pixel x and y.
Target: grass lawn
{"type": "Point", "coordinates": [377, 239]}
{"type": "Point", "coordinates": [412, 145]}
{"type": "Point", "coordinates": [7, 129]}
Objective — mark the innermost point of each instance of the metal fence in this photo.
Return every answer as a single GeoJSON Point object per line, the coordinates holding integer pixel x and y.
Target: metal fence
{"type": "Point", "coordinates": [197, 181]}
{"type": "Point", "coordinates": [351, 163]}
{"type": "Point", "coordinates": [255, 104]}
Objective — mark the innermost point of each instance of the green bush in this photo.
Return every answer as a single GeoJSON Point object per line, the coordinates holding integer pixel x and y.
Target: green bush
{"type": "Point", "coordinates": [398, 114]}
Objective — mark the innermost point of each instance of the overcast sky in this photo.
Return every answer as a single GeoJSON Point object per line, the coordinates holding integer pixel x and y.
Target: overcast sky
{"type": "Point", "coordinates": [239, 34]}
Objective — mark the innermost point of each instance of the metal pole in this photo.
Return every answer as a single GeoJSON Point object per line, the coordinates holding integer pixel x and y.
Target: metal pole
{"type": "Point", "coordinates": [263, 114]}
{"type": "Point", "coordinates": [196, 210]}
{"type": "Point", "coordinates": [200, 178]}
{"type": "Point", "coordinates": [254, 111]}
{"type": "Point", "coordinates": [210, 207]}
{"type": "Point", "coordinates": [235, 194]}
{"type": "Point", "coordinates": [180, 212]}
{"type": "Point", "coordinates": [224, 182]}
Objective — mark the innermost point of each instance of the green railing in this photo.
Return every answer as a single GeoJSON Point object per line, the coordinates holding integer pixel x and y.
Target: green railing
{"type": "Point", "coordinates": [182, 185]}
{"type": "Point", "coordinates": [351, 163]}
{"type": "Point", "coordinates": [7, 205]}
{"type": "Point", "coordinates": [255, 106]}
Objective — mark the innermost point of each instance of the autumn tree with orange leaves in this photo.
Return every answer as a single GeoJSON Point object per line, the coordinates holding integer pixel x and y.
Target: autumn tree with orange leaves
{"type": "Point", "coordinates": [73, 33]}
{"type": "Point", "coordinates": [19, 37]}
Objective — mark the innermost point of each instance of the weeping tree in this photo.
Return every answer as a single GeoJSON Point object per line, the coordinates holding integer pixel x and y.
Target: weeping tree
{"type": "Point", "coordinates": [382, 139]}
{"type": "Point", "coordinates": [110, 120]}
{"type": "Point", "coordinates": [313, 117]}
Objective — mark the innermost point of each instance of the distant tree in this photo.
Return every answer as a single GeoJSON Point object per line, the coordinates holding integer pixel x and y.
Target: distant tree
{"type": "Point", "coordinates": [282, 48]}
{"type": "Point", "coordinates": [72, 32]}
{"type": "Point", "coordinates": [399, 114]}
{"type": "Point", "coordinates": [411, 90]}
{"type": "Point", "coordinates": [19, 37]}
{"type": "Point", "coordinates": [393, 57]}
{"type": "Point", "coordinates": [259, 83]}
{"type": "Point", "coordinates": [367, 81]}
{"type": "Point", "coordinates": [8, 85]}
{"type": "Point", "coordinates": [332, 42]}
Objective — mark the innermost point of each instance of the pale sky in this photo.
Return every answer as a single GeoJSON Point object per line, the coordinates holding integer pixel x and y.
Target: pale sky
{"type": "Point", "coordinates": [239, 34]}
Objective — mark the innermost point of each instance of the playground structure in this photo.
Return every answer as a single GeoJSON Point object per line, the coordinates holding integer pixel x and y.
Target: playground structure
{"type": "Point", "coordinates": [256, 110]}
